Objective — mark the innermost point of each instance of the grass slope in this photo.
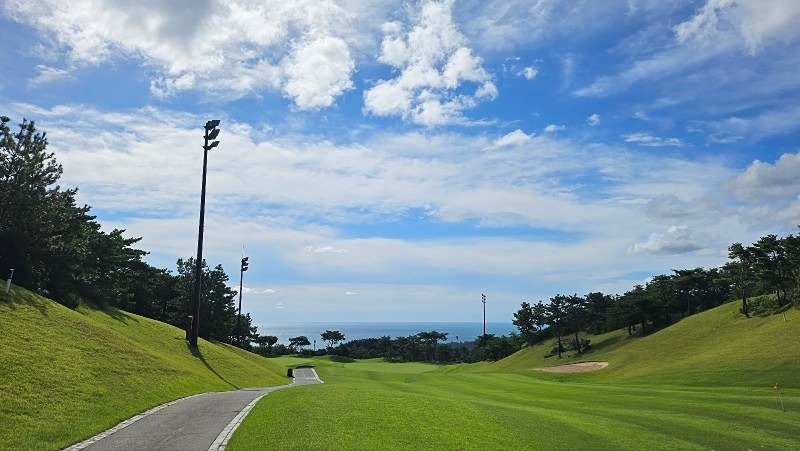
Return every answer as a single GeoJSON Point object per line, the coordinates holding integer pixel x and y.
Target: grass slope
{"type": "Point", "coordinates": [66, 375]}
{"type": "Point", "coordinates": [705, 383]}
{"type": "Point", "coordinates": [719, 347]}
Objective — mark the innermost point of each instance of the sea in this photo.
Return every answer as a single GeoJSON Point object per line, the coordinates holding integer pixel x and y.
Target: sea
{"type": "Point", "coordinates": [456, 332]}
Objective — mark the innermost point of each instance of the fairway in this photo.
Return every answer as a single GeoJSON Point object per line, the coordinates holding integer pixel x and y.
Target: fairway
{"type": "Point", "coordinates": [700, 384]}
{"type": "Point", "coordinates": [400, 406]}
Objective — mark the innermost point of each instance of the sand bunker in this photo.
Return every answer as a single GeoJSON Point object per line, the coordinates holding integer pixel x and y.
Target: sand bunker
{"type": "Point", "coordinates": [574, 367]}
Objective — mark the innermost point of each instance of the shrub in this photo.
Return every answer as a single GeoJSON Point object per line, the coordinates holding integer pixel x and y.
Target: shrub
{"type": "Point", "coordinates": [585, 343]}
{"type": "Point", "coordinates": [764, 305]}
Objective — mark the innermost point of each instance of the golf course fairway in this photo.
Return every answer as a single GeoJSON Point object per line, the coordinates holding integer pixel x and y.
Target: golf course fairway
{"type": "Point", "coordinates": [671, 397]}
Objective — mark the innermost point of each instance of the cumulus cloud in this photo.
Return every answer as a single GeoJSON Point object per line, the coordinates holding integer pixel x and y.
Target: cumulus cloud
{"type": "Point", "coordinates": [233, 48]}
{"type": "Point", "coordinates": [515, 138]}
{"type": "Point", "coordinates": [762, 181]}
{"type": "Point", "coordinates": [318, 71]}
{"type": "Point", "coordinates": [593, 120]}
{"type": "Point", "coordinates": [645, 139]}
{"type": "Point", "coordinates": [435, 68]}
{"type": "Point", "coordinates": [676, 240]}
{"type": "Point", "coordinates": [552, 128]}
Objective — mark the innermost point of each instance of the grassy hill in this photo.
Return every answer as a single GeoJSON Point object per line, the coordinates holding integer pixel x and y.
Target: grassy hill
{"type": "Point", "coordinates": [68, 374]}
{"type": "Point", "coordinates": [704, 383]}
{"type": "Point", "coordinates": [719, 347]}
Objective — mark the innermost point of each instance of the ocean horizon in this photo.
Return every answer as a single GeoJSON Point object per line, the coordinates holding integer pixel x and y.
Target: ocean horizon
{"type": "Point", "coordinates": [456, 331]}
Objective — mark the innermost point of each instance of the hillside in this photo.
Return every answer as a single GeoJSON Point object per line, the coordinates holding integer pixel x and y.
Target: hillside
{"type": "Point", "coordinates": [68, 374]}
{"type": "Point", "coordinates": [717, 347]}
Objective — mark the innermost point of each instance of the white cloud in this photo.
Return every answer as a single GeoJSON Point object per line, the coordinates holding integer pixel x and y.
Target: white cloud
{"type": "Point", "coordinates": [318, 72]}
{"type": "Point", "coordinates": [529, 72]}
{"type": "Point", "coordinates": [772, 122]}
{"type": "Point", "coordinates": [754, 22]}
{"type": "Point", "coordinates": [648, 140]}
{"type": "Point", "coordinates": [593, 120]}
{"type": "Point", "coordinates": [249, 290]}
{"type": "Point", "coordinates": [280, 306]}
{"type": "Point", "coordinates": [552, 128]}
{"type": "Point", "coordinates": [350, 293]}
{"type": "Point", "coordinates": [515, 138]}
{"type": "Point", "coordinates": [704, 24]}
{"type": "Point", "coordinates": [324, 250]}
{"type": "Point", "coordinates": [676, 240]}
{"type": "Point", "coordinates": [762, 181]}
{"type": "Point", "coordinates": [434, 66]}
{"type": "Point", "coordinates": [718, 28]}
{"type": "Point", "coordinates": [293, 199]}
{"type": "Point", "coordinates": [668, 206]}
{"type": "Point", "coordinates": [48, 75]}
{"type": "Point", "coordinates": [233, 48]}
{"type": "Point", "coordinates": [763, 21]}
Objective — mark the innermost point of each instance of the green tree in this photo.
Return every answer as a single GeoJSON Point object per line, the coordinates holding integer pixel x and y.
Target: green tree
{"type": "Point", "coordinates": [773, 266]}
{"type": "Point", "coordinates": [298, 343]}
{"type": "Point", "coordinates": [265, 343]}
{"type": "Point", "coordinates": [661, 290]}
{"type": "Point", "coordinates": [557, 318]}
{"type": "Point", "coordinates": [244, 332]}
{"type": "Point", "coordinates": [55, 246]}
{"type": "Point", "coordinates": [332, 337]}
{"type": "Point", "coordinates": [28, 174]}
{"type": "Point", "coordinates": [597, 307]}
{"type": "Point", "coordinates": [576, 315]}
{"type": "Point", "coordinates": [689, 287]}
{"type": "Point", "coordinates": [217, 299]}
{"type": "Point", "coordinates": [431, 340]}
{"type": "Point", "coordinates": [496, 348]}
{"type": "Point", "coordinates": [526, 323]}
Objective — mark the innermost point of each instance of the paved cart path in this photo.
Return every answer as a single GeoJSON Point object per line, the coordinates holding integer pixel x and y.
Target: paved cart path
{"type": "Point", "coordinates": [197, 423]}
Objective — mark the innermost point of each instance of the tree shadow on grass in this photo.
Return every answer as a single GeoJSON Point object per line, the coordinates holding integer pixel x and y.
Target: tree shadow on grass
{"type": "Point", "coordinates": [118, 314]}
{"type": "Point", "coordinates": [603, 344]}
{"type": "Point", "coordinates": [17, 295]}
{"type": "Point", "coordinates": [196, 352]}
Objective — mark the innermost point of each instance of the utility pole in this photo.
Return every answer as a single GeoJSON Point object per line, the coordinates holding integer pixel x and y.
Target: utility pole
{"type": "Point", "coordinates": [241, 280]}
{"type": "Point", "coordinates": [211, 133]}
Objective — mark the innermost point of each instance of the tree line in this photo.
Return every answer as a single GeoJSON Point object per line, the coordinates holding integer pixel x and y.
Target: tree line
{"type": "Point", "coordinates": [426, 346]}
{"type": "Point", "coordinates": [57, 248]}
{"type": "Point", "coordinates": [770, 266]}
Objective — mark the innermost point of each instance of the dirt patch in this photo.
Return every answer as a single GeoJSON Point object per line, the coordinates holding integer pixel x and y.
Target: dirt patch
{"type": "Point", "coordinates": [574, 367]}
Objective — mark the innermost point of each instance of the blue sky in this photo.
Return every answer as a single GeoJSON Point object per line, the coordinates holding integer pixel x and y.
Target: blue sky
{"type": "Point", "coordinates": [391, 161]}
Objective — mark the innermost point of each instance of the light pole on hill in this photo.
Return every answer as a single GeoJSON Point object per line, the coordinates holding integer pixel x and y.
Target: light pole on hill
{"type": "Point", "coordinates": [211, 133]}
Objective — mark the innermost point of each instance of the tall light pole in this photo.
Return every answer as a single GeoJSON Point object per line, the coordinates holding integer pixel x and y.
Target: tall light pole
{"type": "Point", "coordinates": [211, 133]}
{"type": "Point", "coordinates": [483, 299]}
{"type": "Point", "coordinates": [241, 280]}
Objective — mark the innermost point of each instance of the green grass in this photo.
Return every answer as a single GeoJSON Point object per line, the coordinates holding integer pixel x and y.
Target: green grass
{"type": "Point", "coordinates": [66, 375]}
{"type": "Point", "coordinates": [719, 347]}
{"type": "Point", "coordinates": [705, 383]}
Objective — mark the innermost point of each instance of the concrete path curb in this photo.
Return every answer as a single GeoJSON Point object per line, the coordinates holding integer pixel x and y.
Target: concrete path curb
{"type": "Point", "coordinates": [222, 439]}
{"type": "Point", "coordinates": [195, 423]}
